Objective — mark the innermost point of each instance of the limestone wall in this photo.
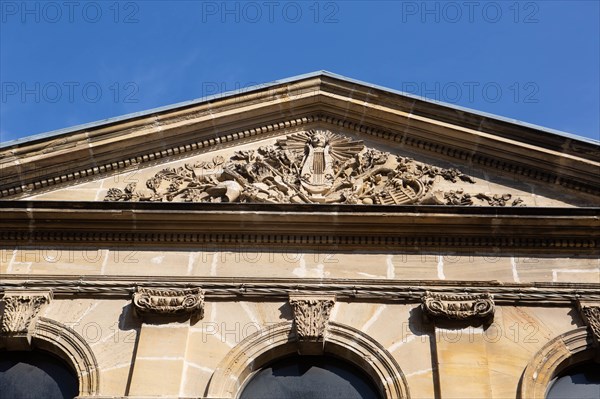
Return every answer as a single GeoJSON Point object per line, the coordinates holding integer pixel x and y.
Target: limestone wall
{"type": "Point", "coordinates": [179, 358]}
{"type": "Point", "coordinates": [267, 263]}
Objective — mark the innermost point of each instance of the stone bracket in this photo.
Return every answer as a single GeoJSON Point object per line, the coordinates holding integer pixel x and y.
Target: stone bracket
{"type": "Point", "coordinates": [20, 309]}
{"type": "Point", "coordinates": [311, 319]}
{"type": "Point", "coordinates": [590, 313]}
{"type": "Point", "coordinates": [186, 302]}
{"type": "Point", "coordinates": [462, 307]}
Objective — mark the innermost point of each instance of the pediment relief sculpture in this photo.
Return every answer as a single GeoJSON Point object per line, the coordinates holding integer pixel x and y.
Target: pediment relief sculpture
{"type": "Point", "coordinates": [315, 166]}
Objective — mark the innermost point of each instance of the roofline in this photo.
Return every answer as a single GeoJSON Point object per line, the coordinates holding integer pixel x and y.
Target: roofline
{"type": "Point", "coordinates": [121, 118]}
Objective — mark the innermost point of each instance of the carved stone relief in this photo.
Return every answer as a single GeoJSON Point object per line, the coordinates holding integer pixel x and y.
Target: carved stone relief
{"type": "Point", "coordinates": [458, 306]}
{"type": "Point", "coordinates": [175, 302]}
{"type": "Point", "coordinates": [315, 166]}
{"type": "Point", "coordinates": [590, 312]}
{"type": "Point", "coordinates": [20, 308]}
{"type": "Point", "coordinates": [311, 316]}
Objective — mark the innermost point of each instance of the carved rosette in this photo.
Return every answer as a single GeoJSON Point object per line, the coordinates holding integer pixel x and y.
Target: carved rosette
{"type": "Point", "coordinates": [20, 308]}
{"type": "Point", "coordinates": [458, 306]}
{"type": "Point", "coordinates": [169, 302]}
{"type": "Point", "coordinates": [311, 316]}
{"type": "Point", "coordinates": [590, 312]}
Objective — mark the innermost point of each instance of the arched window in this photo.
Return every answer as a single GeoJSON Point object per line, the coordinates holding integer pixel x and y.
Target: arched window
{"type": "Point", "coordinates": [300, 377]}
{"type": "Point", "coordinates": [36, 374]}
{"type": "Point", "coordinates": [579, 382]}
{"type": "Point", "coordinates": [260, 354]}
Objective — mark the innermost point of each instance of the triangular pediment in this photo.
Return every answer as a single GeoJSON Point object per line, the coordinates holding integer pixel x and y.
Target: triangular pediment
{"type": "Point", "coordinates": [318, 139]}
{"type": "Point", "coordinates": [314, 166]}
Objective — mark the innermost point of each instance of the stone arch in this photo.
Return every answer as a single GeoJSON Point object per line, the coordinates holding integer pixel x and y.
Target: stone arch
{"type": "Point", "coordinates": [570, 348]}
{"type": "Point", "coordinates": [279, 340]}
{"type": "Point", "coordinates": [54, 337]}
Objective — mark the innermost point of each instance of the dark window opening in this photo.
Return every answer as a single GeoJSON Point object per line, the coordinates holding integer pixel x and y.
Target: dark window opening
{"type": "Point", "coordinates": [578, 382]}
{"type": "Point", "coordinates": [31, 375]}
{"type": "Point", "coordinates": [310, 377]}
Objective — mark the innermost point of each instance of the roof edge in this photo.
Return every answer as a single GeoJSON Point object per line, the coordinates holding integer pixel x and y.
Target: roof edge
{"type": "Point", "coordinates": [64, 131]}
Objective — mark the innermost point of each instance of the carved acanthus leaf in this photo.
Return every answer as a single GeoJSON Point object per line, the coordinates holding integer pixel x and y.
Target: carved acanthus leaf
{"type": "Point", "coordinates": [311, 316]}
{"type": "Point", "coordinates": [20, 308]}
{"type": "Point", "coordinates": [315, 166]}
{"type": "Point", "coordinates": [590, 312]}
{"type": "Point", "coordinates": [175, 302]}
{"type": "Point", "coordinates": [458, 306]}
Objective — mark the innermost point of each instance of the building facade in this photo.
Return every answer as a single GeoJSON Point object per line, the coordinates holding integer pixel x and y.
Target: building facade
{"type": "Point", "coordinates": [317, 235]}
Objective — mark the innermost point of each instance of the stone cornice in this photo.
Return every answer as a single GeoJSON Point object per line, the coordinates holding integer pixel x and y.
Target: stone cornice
{"type": "Point", "coordinates": [307, 226]}
{"type": "Point", "coordinates": [403, 121]}
{"type": "Point", "coordinates": [227, 288]}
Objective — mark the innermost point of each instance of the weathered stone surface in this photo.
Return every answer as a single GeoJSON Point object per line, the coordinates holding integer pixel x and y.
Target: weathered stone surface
{"type": "Point", "coordinates": [311, 316]}
{"type": "Point", "coordinates": [461, 307]}
{"type": "Point", "coordinates": [168, 302]}
{"type": "Point", "coordinates": [20, 307]}
{"type": "Point", "coordinates": [475, 210]}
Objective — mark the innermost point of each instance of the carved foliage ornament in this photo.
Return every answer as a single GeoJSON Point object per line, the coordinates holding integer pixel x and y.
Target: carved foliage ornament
{"type": "Point", "coordinates": [311, 316]}
{"type": "Point", "coordinates": [458, 306]}
{"type": "Point", "coordinates": [169, 301]}
{"type": "Point", "coordinates": [20, 309]}
{"type": "Point", "coordinates": [590, 312]}
{"type": "Point", "coordinates": [315, 166]}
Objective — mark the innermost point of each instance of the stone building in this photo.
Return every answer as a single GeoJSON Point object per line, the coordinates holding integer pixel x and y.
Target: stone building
{"type": "Point", "coordinates": [316, 237]}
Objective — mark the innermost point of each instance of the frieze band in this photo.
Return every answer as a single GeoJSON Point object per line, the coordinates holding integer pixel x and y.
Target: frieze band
{"type": "Point", "coordinates": [403, 291]}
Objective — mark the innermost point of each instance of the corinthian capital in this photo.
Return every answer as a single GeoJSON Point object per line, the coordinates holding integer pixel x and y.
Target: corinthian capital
{"type": "Point", "coordinates": [590, 312]}
{"type": "Point", "coordinates": [311, 316]}
{"type": "Point", "coordinates": [20, 308]}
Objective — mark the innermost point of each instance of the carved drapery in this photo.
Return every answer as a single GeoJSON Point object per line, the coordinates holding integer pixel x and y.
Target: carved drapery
{"type": "Point", "coordinates": [590, 312]}
{"type": "Point", "coordinates": [169, 302]}
{"type": "Point", "coordinates": [458, 306]}
{"type": "Point", "coordinates": [311, 316]}
{"type": "Point", "coordinates": [315, 166]}
{"type": "Point", "coordinates": [20, 308]}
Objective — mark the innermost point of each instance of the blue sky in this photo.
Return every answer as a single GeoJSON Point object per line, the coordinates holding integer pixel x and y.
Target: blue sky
{"type": "Point", "coordinates": [63, 64]}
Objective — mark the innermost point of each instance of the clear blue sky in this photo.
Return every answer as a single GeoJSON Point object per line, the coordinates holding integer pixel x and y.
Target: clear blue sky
{"type": "Point", "coordinates": [63, 64]}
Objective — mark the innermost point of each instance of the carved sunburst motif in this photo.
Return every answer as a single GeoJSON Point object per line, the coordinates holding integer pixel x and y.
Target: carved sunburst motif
{"type": "Point", "coordinates": [315, 166]}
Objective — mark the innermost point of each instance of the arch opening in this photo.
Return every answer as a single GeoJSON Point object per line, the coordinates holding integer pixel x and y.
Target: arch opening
{"type": "Point", "coordinates": [36, 374]}
{"type": "Point", "coordinates": [51, 337]}
{"type": "Point", "coordinates": [298, 377]}
{"type": "Point", "coordinates": [557, 359]}
{"type": "Point", "coordinates": [278, 342]}
{"type": "Point", "coordinates": [581, 381]}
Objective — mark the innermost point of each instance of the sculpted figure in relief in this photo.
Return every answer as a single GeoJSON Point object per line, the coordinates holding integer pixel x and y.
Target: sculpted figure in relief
{"type": "Point", "coordinates": [315, 166]}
